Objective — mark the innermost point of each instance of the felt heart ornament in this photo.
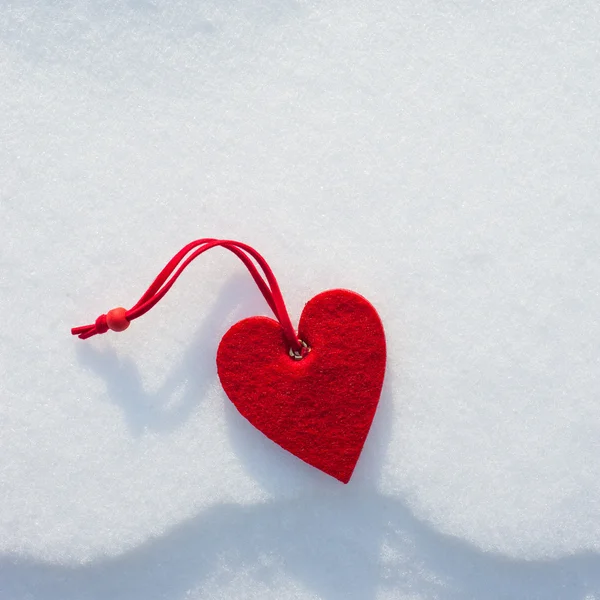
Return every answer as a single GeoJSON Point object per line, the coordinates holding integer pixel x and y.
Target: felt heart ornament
{"type": "Point", "coordinates": [319, 408]}
{"type": "Point", "coordinates": [313, 391]}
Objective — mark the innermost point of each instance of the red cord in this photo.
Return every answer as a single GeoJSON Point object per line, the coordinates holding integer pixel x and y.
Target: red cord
{"type": "Point", "coordinates": [118, 319]}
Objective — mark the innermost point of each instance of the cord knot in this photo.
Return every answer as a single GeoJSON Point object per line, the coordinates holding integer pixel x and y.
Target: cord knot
{"type": "Point", "coordinates": [101, 324]}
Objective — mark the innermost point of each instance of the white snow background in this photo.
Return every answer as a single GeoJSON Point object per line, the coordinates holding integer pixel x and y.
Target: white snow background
{"type": "Point", "coordinates": [440, 158]}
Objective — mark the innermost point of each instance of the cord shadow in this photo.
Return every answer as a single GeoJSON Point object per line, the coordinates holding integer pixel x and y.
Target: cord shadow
{"type": "Point", "coordinates": [184, 387]}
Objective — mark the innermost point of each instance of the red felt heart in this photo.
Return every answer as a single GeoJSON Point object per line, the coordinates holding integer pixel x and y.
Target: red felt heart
{"type": "Point", "coordinates": [319, 408]}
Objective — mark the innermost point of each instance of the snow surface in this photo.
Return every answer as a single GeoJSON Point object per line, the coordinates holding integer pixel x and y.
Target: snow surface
{"type": "Point", "coordinates": [441, 158]}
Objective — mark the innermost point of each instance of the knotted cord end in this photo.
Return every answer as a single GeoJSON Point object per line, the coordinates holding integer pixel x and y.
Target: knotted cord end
{"type": "Point", "coordinates": [115, 320]}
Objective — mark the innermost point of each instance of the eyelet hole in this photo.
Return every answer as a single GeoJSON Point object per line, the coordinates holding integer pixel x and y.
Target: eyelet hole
{"type": "Point", "coordinates": [300, 354]}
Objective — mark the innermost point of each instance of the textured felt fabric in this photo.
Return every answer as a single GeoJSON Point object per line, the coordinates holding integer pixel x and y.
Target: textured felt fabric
{"type": "Point", "coordinates": [319, 408]}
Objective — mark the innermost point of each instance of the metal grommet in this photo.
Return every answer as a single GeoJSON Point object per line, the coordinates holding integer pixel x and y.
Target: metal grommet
{"type": "Point", "coordinates": [299, 355]}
